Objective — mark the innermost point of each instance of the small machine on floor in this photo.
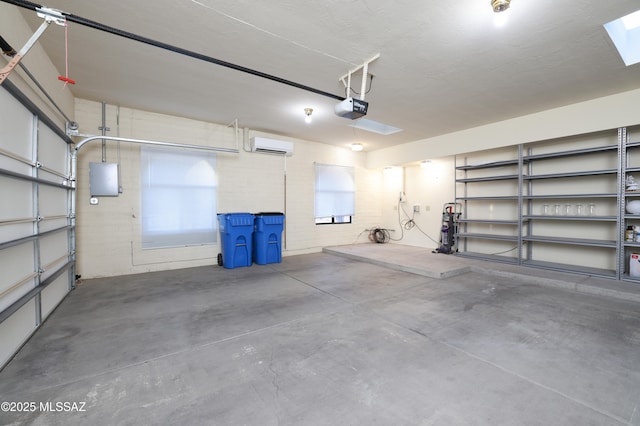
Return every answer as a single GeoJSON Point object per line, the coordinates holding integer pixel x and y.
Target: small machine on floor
{"type": "Point", "coordinates": [451, 213]}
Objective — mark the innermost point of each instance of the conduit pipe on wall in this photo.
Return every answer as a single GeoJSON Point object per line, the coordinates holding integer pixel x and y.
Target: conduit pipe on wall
{"type": "Point", "coordinates": [104, 129]}
{"type": "Point", "coordinates": [234, 124]}
{"type": "Point", "coordinates": [74, 154]}
{"type": "Point", "coordinates": [245, 140]}
{"type": "Point", "coordinates": [74, 161]}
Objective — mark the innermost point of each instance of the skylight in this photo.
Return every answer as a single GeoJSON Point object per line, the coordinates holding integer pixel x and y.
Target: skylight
{"type": "Point", "coordinates": [374, 126]}
{"type": "Point", "coordinates": [631, 21]}
{"type": "Point", "coordinates": [625, 34]}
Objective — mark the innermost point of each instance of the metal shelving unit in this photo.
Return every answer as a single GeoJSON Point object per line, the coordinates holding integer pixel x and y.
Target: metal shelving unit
{"type": "Point", "coordinates": [539, 229]}
{"type": "Point", "coordinates": [571, 174]}
{"type": "Point", "coordinates": [626, 248]}
{"type": "Point", "coordinates": [505, 224]}
{"type": "Point", "coordinates": [580, 218]}
{"type": "Point", "coordinates": [571, 196]}
{"type": "Point", "coordinates": [558, 222]}
{"type": "Point", "coordinates": [572, 241]}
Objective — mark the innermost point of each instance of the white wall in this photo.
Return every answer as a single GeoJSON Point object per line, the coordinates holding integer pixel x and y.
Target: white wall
{"type": "Point", "coordinates": [427, 187]}
{"type": "Point", "coordinates": [605, 113]}
{"type": "Point", "coordinates": [109, 234]}
{"type": "Point", "coordinates": [608, 112]}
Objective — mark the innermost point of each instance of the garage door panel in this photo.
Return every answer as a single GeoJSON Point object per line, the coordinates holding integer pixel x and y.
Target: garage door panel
{"type": "Point", "coordinates": [16, 329]}
{"type": "Point", "coordinates": [16, 123]}
{"type": "Point", "coordinates": [16, 263]}
{"type": "Point", "coordinates": [17, 196]}
{"type": "Point", "coordinates": [15, 166]}
{"type": "Point", "coordinates": [12, 232]}
{"type": "Point", "coordinates": [49, 224]}
{"type": "Point", "coordinates": [52, 151]}
{"type": "Point", "coordinates": [35, 268]}
{"type": "Point", "coordinates": [14, 293]}
{"type": "Point", "coordinates": [54, 253]}
{"type": "Point", "coordinates": [52, 201]}
{"type": "Point", "coordinates": [54, 293]}
{"type": "Point", "coordinates": [52, 177]}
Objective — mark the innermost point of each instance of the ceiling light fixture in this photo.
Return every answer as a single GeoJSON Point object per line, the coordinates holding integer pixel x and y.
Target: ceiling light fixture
{"type": "Point", "coordinates": [500, 5]}
{"type": "Point", "coordinates": [357, 147]}
{"type": "Point", "coordinates": [307, 113]}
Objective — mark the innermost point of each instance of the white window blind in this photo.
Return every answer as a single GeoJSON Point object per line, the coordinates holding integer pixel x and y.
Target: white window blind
{"type": "Point", "coordinates": [178, 197]}
{"type": "Point", "coordinates": [335, 191]}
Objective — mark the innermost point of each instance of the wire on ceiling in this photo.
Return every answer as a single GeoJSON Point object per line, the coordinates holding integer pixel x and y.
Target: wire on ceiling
{"type": "Point", "coordinates": [131, 36]}
{"type": "Point", "coordinates": [366, 91]}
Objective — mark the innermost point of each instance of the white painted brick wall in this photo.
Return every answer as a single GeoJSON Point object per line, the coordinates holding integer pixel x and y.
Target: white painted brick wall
{"type": "Point", "coordinates": [109, 234]}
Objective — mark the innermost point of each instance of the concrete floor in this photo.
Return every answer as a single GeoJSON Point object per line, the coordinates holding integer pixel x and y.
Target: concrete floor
{"type": "Point", "coordinates": [326, 340]}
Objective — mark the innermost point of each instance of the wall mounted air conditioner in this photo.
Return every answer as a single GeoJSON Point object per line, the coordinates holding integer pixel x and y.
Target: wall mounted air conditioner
{"type": "Point", "coordinates": [271, 146]}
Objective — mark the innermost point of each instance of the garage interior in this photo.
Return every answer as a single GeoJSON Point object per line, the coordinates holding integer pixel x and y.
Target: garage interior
{"type": "Point", "coordinates": [454, 190]}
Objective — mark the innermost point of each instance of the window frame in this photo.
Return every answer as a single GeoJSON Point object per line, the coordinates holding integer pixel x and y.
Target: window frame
{"type": "Point", "coordinates": [335, 219]}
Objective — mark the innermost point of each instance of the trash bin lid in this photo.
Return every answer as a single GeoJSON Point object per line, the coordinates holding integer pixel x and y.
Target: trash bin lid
{"type": "Point", "coordinates": [269, 214]}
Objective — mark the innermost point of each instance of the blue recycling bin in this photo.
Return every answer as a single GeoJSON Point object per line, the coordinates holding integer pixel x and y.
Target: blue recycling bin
{"type": "Point", "coordinates": [267, 238]}
{"type": "Point", "coordinates": [236, 233]}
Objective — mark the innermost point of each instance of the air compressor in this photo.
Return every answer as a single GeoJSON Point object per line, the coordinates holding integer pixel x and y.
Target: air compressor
{"type": "Point", "coordinates": [451, 213]}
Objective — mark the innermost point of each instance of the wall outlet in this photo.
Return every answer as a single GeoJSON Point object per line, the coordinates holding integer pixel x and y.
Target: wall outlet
{"type": "Point", "coordinates": [403, 197]}
{"type": "Point", "coordinates": [416, 208]}
{"type": "Point", "coordinates": [427, 208]}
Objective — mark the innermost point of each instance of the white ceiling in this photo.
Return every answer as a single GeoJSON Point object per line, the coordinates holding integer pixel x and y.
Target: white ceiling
{"type": "Point", "coordinates": [443, 66]}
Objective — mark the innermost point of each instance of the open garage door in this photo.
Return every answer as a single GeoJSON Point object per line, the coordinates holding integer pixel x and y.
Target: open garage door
{"type": "Point", "coordinates": [36, 219]}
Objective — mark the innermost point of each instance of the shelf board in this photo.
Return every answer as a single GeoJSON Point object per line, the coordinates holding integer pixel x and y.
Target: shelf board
{"type": "Point", "coordinates": [633, 144]}
{"type": "Point", "coordinates": [490, 221]}
{"type": "Point", "coordinates": [570, 196]}
{"type": "Point", "coordinates": [488, 165]}
{"type": "Point", "coordinates": [580, 218]}
{"type": "Point", "coordinates": [487, 178]}
{"type": "Point", "coordinates": [490, 257]}
{"type": "Point", "coordinates": [571, 241]}
{"type": "Point", "coordinates": [607, 273]}
{"type": "Point", "coordinates": [478, 236]}
{"type": "Point", "coordinates": [630, 194]}
{"type": "Point", "coordinates": [490, 198]}
{"type": "Point", "coordinates": [570, 153]}
{"type": "Point", "coordinates": [571, 174]}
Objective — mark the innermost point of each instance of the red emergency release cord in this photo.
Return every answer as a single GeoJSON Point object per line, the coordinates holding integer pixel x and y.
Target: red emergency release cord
{"type": "Point", "coordinates": [66, 78]}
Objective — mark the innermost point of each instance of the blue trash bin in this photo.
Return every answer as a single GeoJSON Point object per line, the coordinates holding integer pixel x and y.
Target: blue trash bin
{"type": "Point", "coordinates": [236, 233]}
{"type": "Point", "coordinates": [267, 238]}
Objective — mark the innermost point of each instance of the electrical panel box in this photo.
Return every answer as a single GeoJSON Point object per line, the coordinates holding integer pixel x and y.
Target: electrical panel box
{"type": "Point", "coordinates": [103, 179]}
